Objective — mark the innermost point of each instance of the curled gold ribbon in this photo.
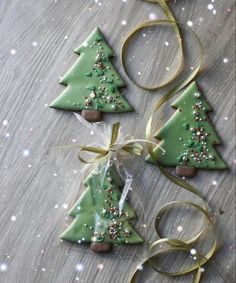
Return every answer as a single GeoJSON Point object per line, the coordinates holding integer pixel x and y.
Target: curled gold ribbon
{"type": "Point", "coordinates": [175, 244]}
{"type": "Point", "coordinates": [131, 146]}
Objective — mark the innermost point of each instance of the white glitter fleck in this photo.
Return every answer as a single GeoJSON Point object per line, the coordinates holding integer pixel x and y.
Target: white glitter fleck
{"type": "Point", "coordinates": [214, 183]}
{"type": "Point", "coordinates": [56, 206]}
{"type": "Point", "coordinates": [65, 206]}
{"type": "Point", "coordinates": [226, 118]}
{"type": "Point", "coordinates": [43, 269]}
{"type": "Point", "coordinates": [3, 267]}
{"type": "Point", "coordinates": [167, 43]}
{"type": "Point", "coordinates": [7, 135]}
{"type": "Point", "coordinates": [79, 267]}
{"type": "Point", "coordinates": [139, 73]}
{"type": "Point", "coordinates": [34, 43]}
{"type": "Point", "coordinates": [124, 23]}
{"type": "Point", "coordinates": [5, 122]}
{"type": "Point", "coordinates": [66, 37]}
{"type": "Point", "coordinates": [13, 218]}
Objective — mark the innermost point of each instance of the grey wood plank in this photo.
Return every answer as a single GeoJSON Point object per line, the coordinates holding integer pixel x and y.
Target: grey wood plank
{"type": "Point", "coordinates": [38, 182]}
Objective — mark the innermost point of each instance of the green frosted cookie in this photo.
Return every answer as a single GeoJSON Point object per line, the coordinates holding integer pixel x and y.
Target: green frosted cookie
{"type": "Point", "coordinates": [92, 83]}
{"type": "Point", "coordinates": [189, 138]}
{"type": "Point", "coordinates": [97, 218]}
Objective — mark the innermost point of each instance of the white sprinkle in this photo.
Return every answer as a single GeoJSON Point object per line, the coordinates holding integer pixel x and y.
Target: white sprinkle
{"type": "Point", "coordinates": [226, 118]}
{"type": "Point", "coordinates": [190, 23]}
{"type": "Point", "coordinates": [92, 133]}
{"type": "Point", "coordinates": [139, 73]}
{"type": "Point", "coordinates": [7, 135]}
{"type": "Point", "coordinates": [13, 218]}
{"type": "Point", "coordinates": [4, 123]}
{"type": "Point", "coordinates": [124, 23]}
{"type": "Point", "coordinates": [55, 174]}
{"type": "Point", "coordinates": [66, 37]}
{"type": "Point", "coordinates": [79, 267]}
{"type": "Point", "coordinates": [74, 140]}
{"type": "Point", "coordinates": [167, 68]}
{"type": "Point", "coordinates": [167, 43]}
{"type": "Point", "coordinates": [26, 152]}
{"type": "Point", "coordinates": [43, 269]}
{"type": "Point", "coordinates": [56, 206]}
{"type": "Point", "coordinates": [13, 51]}
{"type": "Point", "coordinates": [3, 267]}
{"type": "Point", "coordinates": [152, 16]}
{"type": "Point", "coordinates": [202, 269]}
{"type": "Point", "coordinates": [34, 43]}
{"type": "Point", "coordinates": [46, 105]}
{"type": "Point", "coordinates": [193, 252]}
{"type": "Point", "coordinates": [214, 12]}
{"type": "Point", "coordinates": [214, 183]}
{"type": "Point", "coordinates": [180, 228]}
{"type": "Point", "coordinates": [225, 60]}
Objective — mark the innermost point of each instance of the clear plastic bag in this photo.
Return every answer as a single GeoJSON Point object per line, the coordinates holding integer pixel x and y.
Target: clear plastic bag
{"type": "Point", "coordinates": [103, 216]}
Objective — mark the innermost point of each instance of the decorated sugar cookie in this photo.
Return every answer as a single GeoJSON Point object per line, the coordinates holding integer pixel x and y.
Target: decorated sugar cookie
{"type": "Point", "coordinates": [188, 138]}
{"type": "Point", "coordinates": [100, 218]}
{"type": "Point", "coordinates": [92, 84]}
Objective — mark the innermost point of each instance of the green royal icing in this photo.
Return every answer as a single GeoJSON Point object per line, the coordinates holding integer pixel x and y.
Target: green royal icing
{"type": "Point", "coordinates": [188, 138]}
{"type": "Point", "coordinates": [92, 82]}
{"type": "Point", "coordinates": [96, 213]}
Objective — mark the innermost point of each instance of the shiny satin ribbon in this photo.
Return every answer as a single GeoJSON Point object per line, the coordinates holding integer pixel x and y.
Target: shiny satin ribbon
{"type": "Point", "coordinates": [175, 244]}
{"type": "Point", "coordinates": [129, 147]}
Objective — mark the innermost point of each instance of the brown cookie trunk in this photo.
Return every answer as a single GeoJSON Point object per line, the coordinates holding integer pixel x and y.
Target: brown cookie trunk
{"type": "Point", "coordinates": [92, 115]}
{"type": "Point", "coordinates": [101, 247]}
{"type": "Point", "coordinates": [185, 171]}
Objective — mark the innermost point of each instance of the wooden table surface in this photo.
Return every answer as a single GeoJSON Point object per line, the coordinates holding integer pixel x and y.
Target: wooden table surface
{"type": "Point", "coordinates": [39, 182]}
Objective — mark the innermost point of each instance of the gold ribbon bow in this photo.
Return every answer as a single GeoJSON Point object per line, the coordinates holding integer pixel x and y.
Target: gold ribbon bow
{"type": "Point", "coordinates": [132, 147]}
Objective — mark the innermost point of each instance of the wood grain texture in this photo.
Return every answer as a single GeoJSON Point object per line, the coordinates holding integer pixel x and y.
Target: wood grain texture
{"type": "Point", "coordinates": [35, 187]}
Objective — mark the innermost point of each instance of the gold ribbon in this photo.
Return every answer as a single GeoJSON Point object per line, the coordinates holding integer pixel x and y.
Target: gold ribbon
{"type": "Point", "coordinates": [128, 147]}
{"type": "Point", "coordinates": [175, 244]}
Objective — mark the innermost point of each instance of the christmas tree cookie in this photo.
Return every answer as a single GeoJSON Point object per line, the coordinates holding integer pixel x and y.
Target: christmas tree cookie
{"type": "Point", "coordinates": [92, 84]}
{"type": "Point", "coordinates": [188, 138]}
{"type": "Point", "coordinates": [97, 217]}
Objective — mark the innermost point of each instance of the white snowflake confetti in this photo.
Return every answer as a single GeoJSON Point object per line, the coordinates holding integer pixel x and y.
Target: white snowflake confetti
{"type": "Point", "coordinates": [190, 23]}
{"type": "Point", "coordinates": [140, 267]}
{"type": "Point", "coordinates": [4, 123]}
{"type": "Point", "coordinates": [34, 43]}
{"type": "Point", "coordinates": [210, 6]}
{"type": "Point", "coordinates": [225, 60]}
{"type": "Point", "coordinates": [180, 228]}
{"type": "Point", "coordinates": [26, 152]}
{"type": "Point", "coordinates": [13, 51]}
{"type": "Point", "coordinates": [100, 266]}
{"type": "Point", "coordinates": [65, 206]}
{"type": "Point", "coordinates": [79, 267]}
{"type": "Point", "coordinates": [193, 252]}
{"type": "Point", "coordinates": [13, 218]}
{"type": "Point", "coordinates": [152, 16]}
{"type": "Point", "coordinates": [3, 267]}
